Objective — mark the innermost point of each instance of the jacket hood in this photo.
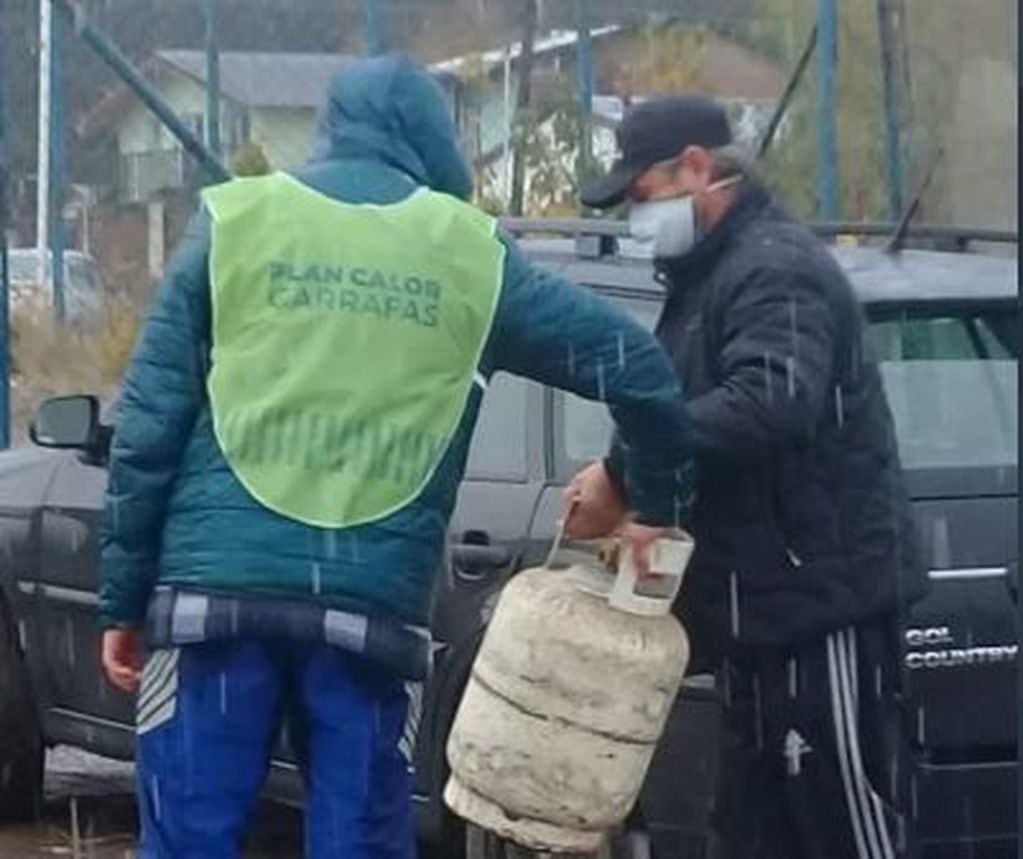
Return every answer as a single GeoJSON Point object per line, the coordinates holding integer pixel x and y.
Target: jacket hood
{"type": "Point", "coordinates": [391, 110]}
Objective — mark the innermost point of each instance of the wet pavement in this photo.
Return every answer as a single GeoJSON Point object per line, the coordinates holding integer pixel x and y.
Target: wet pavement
{"type": "Point", "coordinates": [96, 794]}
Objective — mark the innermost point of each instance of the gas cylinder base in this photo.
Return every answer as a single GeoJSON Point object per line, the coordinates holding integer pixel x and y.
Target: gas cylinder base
{"type": "Point", "coordinates": [534, 834]}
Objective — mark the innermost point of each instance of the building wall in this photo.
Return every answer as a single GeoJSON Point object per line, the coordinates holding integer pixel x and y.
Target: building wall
{"type": "Point", "coordinates": [140, 131]}
{"type": "Point", "coordinates": [285, 134]}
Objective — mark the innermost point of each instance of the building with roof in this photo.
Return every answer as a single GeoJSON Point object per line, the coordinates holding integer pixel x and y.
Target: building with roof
{"type": "Point", "coordinates": [270, 99]}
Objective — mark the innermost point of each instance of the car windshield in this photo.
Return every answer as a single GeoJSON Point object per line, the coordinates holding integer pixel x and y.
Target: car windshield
{"type": "Point", "coordinates": [950, 378]}
{"type": "Point", "coordinates": [951, 384]}
{"type": "Point", "coordinates": [587, 424]}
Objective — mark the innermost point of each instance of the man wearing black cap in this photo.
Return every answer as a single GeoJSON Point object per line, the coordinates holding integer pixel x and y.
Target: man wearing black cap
{"type": "Point", "coordinates": [805, 548]}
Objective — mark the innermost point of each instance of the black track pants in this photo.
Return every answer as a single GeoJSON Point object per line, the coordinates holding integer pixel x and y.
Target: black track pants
{"type": "Point", "coordinates": [814, 760]}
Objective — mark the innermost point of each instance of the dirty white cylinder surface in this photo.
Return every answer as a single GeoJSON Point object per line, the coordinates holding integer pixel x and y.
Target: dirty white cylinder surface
{"type": "Point", "coordinates": [563, 710]}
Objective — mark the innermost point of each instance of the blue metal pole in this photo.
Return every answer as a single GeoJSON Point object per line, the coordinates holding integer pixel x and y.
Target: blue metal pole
{"type": "Point", "coordinates": [584, 56]}
{"type": "Point", "coordinates": [893, 142]}
{"type": "Point", "coordinates": [212, 79]}
{"type": "Point", "coordinates": [122, 67]}
{"type": "Point", "coordinates": [827, 110]}
{"type": "Point", "coordinates": [374, 28]}
{"type": "Point", "coordinates": [58, 171]}
{"type": "Point", "coordinates": [5, 326]}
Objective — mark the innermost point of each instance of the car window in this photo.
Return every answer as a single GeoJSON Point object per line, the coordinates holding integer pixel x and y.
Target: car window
{"type": "Point", "coordinates": [587, 425]}
{"type": "Point", "coordinates": [499, 443]}
{"type": "Point", "coordinates": [950, 378]}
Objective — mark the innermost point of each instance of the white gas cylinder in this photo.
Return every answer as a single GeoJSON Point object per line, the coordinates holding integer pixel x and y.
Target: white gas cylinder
{"type": "Point", "coordinates": [568, 697]}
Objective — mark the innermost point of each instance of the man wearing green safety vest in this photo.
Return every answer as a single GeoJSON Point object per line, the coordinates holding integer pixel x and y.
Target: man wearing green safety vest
{"type": "Point", "coordinates": [292, 434]}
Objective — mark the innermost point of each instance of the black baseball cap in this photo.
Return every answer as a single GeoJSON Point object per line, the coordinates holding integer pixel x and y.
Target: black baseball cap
{"type": "Point", "coordinates": [655, 131]}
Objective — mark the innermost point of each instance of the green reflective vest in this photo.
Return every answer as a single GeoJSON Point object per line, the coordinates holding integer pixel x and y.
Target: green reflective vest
{"type": "Point", "coordinates": [345, 342]}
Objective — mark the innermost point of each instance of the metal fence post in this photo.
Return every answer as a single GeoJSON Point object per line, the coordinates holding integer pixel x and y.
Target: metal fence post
{"type": "Point", "coordinates": [5, 326]}
{"type": "Point", "coordinates": [886, 25]}
{"type": "Point", "coordinates": [827, 109]}
{"type": "Point", "coordinates": [43, 159]}
{"type": "Point", "coordinates": [212, 79]}
{"type": "Point", "coordinates": [374, 27]}
{"type": "Point", "coordinates": [58, 166]}
{"type": "Point", "coordinates": [585, 73]}
{"type": "Point", "coordinates": [110, 54]}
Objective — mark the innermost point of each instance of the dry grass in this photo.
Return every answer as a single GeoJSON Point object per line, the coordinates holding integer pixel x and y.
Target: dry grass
{"type": "Point", "coordinates": [49, 359]}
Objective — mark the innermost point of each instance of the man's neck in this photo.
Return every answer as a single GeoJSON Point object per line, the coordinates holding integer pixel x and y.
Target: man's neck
{"type": "Point", "coordinates": [716, 205]}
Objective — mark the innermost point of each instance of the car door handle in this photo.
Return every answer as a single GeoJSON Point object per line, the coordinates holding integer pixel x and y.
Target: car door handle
{"type": "Point", "coordinates": [472, 562]}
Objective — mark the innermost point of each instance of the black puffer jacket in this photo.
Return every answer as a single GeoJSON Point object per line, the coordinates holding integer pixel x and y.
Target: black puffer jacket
{"type": "Point", "coordinates": [801, 520]}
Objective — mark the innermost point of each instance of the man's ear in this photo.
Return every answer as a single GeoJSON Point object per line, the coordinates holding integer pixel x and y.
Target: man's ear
{"type": "Point", "coordinates": [698, 164]}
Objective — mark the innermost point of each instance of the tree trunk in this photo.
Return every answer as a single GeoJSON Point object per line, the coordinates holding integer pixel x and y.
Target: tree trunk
{"type": "Point", "coordinates": [523, 115]}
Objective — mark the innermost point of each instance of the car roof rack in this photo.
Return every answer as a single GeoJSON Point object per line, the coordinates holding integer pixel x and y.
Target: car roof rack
{"type": "Point", "coordinates": [943, 237]}
{"type": "Point", "coordinates": [597, 237]}
{"type": "Point", "coordinates": [594, 237]}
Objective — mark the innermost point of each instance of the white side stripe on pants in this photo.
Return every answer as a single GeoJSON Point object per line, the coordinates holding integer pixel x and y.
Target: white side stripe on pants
{"type": "Point", "coordinates": [865, 809]}
{"type": "Point", "coordinates": [872, 802]}
{"type": "Point", "coordinates": [837, 709]}
{"type": "Point", "coordinates": [413, 717]}
{"type": "Point", "coordinates": [158, 696]}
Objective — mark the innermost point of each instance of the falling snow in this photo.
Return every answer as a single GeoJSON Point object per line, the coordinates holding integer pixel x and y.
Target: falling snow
{"type": "Point", "coordinates": [793, 326]}
{"type": "Point", "coordinates": [733, 584]}
{"type": "Point", "coordinates": [155, 793]}
{"type": "Point", "coordinates": [941, 550]}
{"type": "Point", "coordinates": [758, 715]}
{"type": "Point", "coordinates": [768, 380]}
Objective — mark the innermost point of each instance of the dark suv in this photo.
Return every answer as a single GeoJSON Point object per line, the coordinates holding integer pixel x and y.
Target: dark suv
{"type": "Point", "coordinates": [944, 326]}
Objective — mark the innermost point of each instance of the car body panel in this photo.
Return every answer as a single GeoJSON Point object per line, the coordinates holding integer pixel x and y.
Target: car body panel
{"type": "Point", "coordinates": [507, 511]}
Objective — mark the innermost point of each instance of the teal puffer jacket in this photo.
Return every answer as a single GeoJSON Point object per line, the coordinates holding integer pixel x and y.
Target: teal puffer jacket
{"type": "Point", "coordinates": [177, 515]}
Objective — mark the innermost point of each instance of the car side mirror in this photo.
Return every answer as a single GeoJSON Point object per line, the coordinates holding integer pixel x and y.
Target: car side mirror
{"type": "Point", "coordinates": [68, 423]}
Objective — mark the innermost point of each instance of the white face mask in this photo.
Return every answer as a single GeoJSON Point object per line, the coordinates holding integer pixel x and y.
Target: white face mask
{"type": "Point", "coordinates": [669, 226]}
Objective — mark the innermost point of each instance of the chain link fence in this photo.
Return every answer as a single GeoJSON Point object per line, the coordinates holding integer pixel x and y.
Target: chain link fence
{"type": "Point", "coordinates": [126, 187]}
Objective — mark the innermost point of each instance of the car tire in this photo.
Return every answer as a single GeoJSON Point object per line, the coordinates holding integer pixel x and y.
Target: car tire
{"type": "Point", "coordinates": [481, 844]}
{"type": "Point", "coordinates": [21, 741]}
